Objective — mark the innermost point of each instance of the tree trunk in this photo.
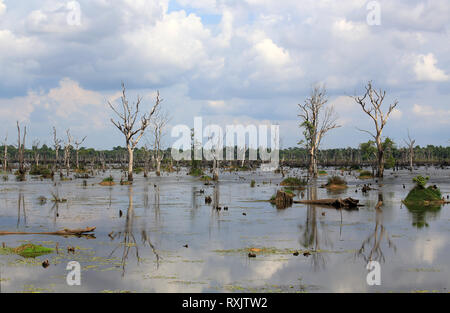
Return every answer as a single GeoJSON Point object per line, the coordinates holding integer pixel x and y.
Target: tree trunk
{"type": "Point", "coordinates": [78, 164]}
{"type": "Point", "coordinates": [158, 166]}
{"type": "Point", "coordinates": [5, 158]}
{"type": "Point", "coordinates": [130, 164]}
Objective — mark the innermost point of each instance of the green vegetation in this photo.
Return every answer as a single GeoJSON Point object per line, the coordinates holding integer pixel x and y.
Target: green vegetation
{"type": "Point", "coordinates": [109, 179]}
{"type": "Point", "coordinates": [27, 250]}
{"type": "Point", "coordinates": [41, 171]}
{"type": "Point", "coordinates": [323, 172]}
{"type": "Point", "coordinates": [365, 175]}
{"type": "Point", "coordinates": [206, 178]}
{"type": "Point", "coordinates": [293, 182]}
{"type": "Point", "coordinates": [336, 180]}
{"type": "Point", "coordinates": [421, 194]}
{"type": "Point", "coordinates": [252, 184]}
{"type": "Point", "coordinates": [196, 172]}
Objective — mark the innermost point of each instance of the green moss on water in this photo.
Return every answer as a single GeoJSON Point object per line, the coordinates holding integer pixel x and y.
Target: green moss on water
{"type": "Point", "coordinates": [27, 250]}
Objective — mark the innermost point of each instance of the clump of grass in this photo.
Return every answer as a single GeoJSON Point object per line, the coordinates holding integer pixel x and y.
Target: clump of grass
{"type": "Point", "coordinates": [365, 174]}
{"type": "Point", "coordinates": [41, 171]}
{"type": "Point", "coordinates": [323, 173]}
{"type": "Point", "coordinates": [5, 177]}
{"type": "Point", "coordinates": [293, 182]}
{"type": "Point", "coordinates": [336, 180]}
{"type": "Point", "coordinates": [196, 172]}
{"type": "Point", "coordinates": [109, 179]}
{"type": "Point", "coordinates": [252, 184]}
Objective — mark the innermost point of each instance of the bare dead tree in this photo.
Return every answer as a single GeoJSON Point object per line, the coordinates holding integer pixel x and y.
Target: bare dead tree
{"type": "Point", "coordinates": [56, 146]}
{"type": "Point", "coordinates": [21, 150]}
{"type": "Point", "coordinates": [158, 123]}
{"type": "Point", "coordinates": [374, 110]}
{"type": "Point", "coordinates": [5, 154]}
{"type": "Point", "coordinates": [410, 144]}
{"type": "Point", "coordinates": [67, 147]}
{"type": "Point", "coordinates": [35, 148]}
{"type": "Point", "coordinates": [317, 120]}
{"type": "Point", "coordinates": [126, 122]}
{"type": "Point", "coordinates": [78, 143]}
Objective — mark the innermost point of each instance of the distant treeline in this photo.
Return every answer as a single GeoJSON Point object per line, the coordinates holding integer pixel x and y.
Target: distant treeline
{"type": "Point", "coordinates": [89, 157]}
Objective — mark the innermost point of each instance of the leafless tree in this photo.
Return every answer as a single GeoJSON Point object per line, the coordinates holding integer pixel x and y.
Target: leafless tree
{"type": "Point", "coordinates": [410, 144]}
{"type": "Point", "coordinates": [317, 120]}
{"type": "Point", "coordinates": [158, 123]}
{"type": "Point", "coordinates": [67, 147]}
{"type": "Point", "coordinates": [78, 143]}
{"type": "Point", "coordinates": [21, 150]}
{"type": "Point", "coordinates": [5, 154]}
{"type": "Point", "coordinates": [35, 148]}
{"type": "Point", "coordinates": [126, 123]}
{"type": "Point", "coordinates": [374, 110]}
{"type": "Point", "coordinates": [56, 146]}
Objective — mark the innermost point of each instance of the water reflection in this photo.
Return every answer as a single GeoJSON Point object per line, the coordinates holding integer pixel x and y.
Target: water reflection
{"type": "Point", "coordinates": [21, 208]}
{"type": "Point", "coordinates": [128, 240]}
{"type": "Point", "coordinates": [315, 235]}
{"type": "Point", "coordinates": [422, 214]}
{"type": "Point", "coordinates": [371, 248]}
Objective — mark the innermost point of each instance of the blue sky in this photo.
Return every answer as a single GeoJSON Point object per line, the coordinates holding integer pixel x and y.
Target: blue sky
{"type": "Point", "coordinates": [246, 61]}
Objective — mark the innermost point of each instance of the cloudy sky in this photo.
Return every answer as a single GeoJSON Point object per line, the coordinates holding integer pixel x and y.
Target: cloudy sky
{"type": "Point", "coordinates": [229, 61]}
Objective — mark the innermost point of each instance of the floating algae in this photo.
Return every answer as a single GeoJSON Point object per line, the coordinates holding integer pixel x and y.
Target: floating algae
{"type": "Point", "coordinates": [27, 250]}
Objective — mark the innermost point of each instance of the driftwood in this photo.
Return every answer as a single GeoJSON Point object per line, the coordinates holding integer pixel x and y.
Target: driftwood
{"type": "Point", "coordinates": [337, 203]}
{"type": "Point", "coordinates": [64, 232]}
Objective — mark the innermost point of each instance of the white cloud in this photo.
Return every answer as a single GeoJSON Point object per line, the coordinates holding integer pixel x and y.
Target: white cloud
{"type": "Point", "coordinates": [426, 70]}
{"type": "Point", "coordinates": [2, 7]}
{"type": "Point", "coordinates": [432, 114]}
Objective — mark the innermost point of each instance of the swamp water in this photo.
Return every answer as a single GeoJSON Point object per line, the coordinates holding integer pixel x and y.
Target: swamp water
{"type": "Point", "coordinates": [144, 249]}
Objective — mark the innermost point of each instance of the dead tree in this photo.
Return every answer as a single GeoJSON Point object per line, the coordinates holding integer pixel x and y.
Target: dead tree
{"type": "Point", "coordinates": [57, 146]}
{"type": "Point", "coordinates": [410, 144]}
{"type": "Point", "coordinates": [21, 150]}
{"type": "Point", "coordinates": [373, 109]}
{"type": "Point", "coordinates": [5, 154]}
{"type": "Point", "coordinates": [317, 120]}
{"type": "Point", "coordinates": [158, 123]}
{"type": "Point", "coordinates": [78, 143]}
{"type": "Point", "coordinates": [67, 147]}
{"type": "Point", "coordinates": [126, 122]}
{"type": "Point", "coordinates": [35, 148]}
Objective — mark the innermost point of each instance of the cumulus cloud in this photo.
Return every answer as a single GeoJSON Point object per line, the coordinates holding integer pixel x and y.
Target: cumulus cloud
{"type": "Point", "coordinates": [426, 69]}
{"type": "Point", "coordinates": [258, 58]}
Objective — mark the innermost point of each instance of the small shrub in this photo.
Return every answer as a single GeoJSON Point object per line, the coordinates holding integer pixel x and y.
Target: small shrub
{"type": "Point", "coordinates": [252, 184]}
{"type": "Point", "coordinates": [196, 172]}
{"type": "Point", "coordinates": [421, 181]}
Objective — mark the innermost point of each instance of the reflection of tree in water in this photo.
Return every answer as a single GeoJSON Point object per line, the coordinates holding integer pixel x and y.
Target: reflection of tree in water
{"type": "Point", "coordinates": [371, 248]}
{"type": "Point", "coordinates": [21, 208]}
{"type": "Point", "coordinates": [129, 241]}
{"type": "Point", "coordinates": [422, 214]}
{"type": "Point", "coordinates": [314, 232]}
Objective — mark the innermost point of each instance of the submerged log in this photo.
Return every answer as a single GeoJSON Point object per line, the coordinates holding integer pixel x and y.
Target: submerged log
{"type": "Point", "coordinates": [64, 232]}
{"type": "Point", "coordinates": [337, 203]}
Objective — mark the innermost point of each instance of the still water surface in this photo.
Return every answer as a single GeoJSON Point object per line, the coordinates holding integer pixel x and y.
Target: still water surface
{"type": "Point", "coordinates": [144, 249]}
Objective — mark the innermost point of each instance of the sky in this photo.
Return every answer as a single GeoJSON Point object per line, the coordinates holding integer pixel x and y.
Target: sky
{"type": "Point", "coordinates": [228, 61]}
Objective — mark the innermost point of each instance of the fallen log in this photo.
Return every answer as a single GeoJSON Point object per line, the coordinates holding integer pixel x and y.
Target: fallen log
{"type": "Point", "coordinates": [337, 203]}
{"type": "Point", "coordinates": [63, 232]}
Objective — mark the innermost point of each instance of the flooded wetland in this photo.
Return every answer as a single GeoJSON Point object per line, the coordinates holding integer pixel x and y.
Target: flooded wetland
{"type": "Point", "coordinates": [160, 235]}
